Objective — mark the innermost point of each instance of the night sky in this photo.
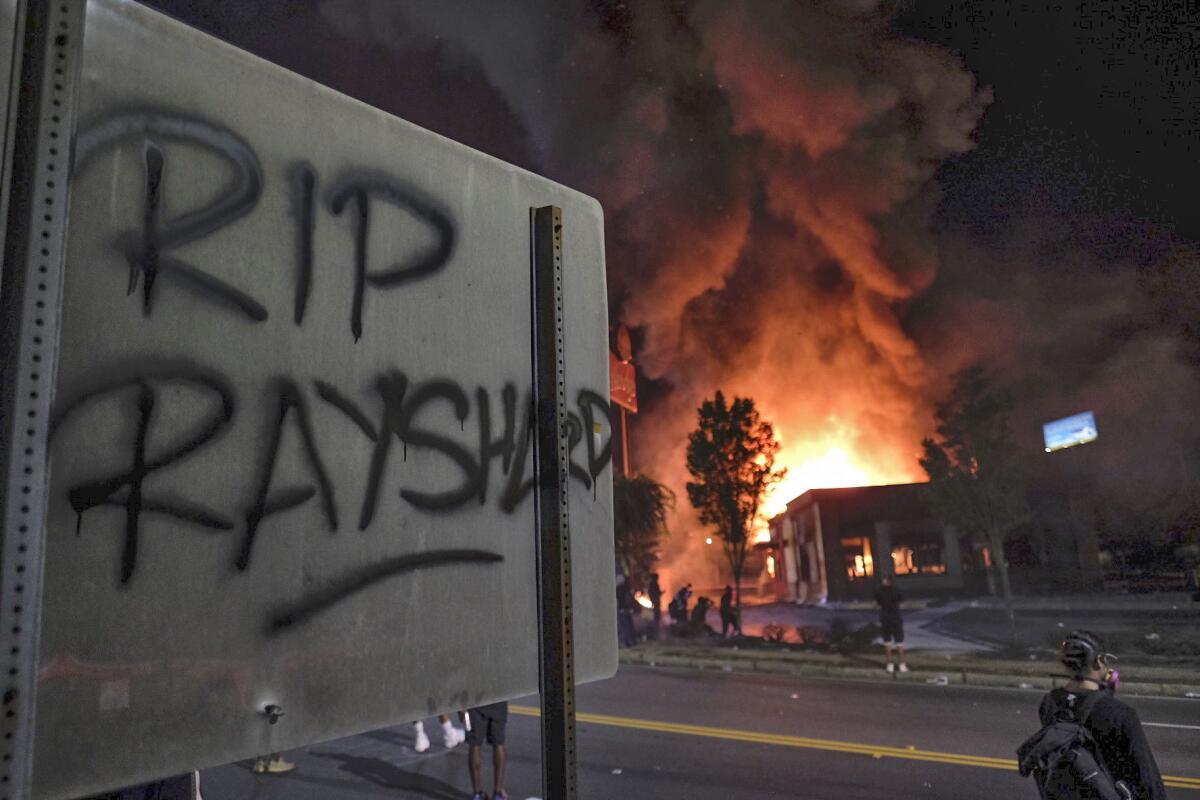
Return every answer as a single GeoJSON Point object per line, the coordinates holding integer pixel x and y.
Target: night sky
{"type": "Point", "coordinates": [1098, 110]}
{"type": "Point", "coordinates": [833, 206]}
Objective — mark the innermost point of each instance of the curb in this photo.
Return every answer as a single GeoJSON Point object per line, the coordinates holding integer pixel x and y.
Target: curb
{"type": "Point", "coordinates": [950, 677]}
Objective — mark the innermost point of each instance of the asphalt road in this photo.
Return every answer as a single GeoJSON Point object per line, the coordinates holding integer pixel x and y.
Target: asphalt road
{"type": "Point", "coordinates": [656, 733]}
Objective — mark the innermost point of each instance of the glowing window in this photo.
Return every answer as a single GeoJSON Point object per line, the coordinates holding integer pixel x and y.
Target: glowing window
{"type": "Point", "coordinates": [918, 554]}
{"type": "Point", "coordinates": [771, 566]}
{"type": "Point", "coordinates": [856, 557]}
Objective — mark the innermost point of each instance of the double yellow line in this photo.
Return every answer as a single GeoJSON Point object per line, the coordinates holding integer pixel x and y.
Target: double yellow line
{"type": "Point", "coordinates": [875, 751]}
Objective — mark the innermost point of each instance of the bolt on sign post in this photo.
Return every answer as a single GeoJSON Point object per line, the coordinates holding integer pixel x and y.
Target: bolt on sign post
{"type": "Point", "coordinates": [282, 451]}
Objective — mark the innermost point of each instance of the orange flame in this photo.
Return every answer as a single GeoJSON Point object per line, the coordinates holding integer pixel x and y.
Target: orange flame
{"type": "Point", "coordinates": [825, 465]}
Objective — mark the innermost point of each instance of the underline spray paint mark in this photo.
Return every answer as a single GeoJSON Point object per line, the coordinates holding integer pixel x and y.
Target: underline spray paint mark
{"type": "Point", "coordinates": [360, 579]}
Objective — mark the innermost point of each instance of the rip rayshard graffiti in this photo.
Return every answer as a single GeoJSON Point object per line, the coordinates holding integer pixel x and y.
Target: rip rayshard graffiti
{"type": "Point", "coordinates": [387, 416]}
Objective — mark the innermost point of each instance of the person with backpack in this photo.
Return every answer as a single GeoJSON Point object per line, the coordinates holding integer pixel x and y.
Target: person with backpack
{"type": "Point", "coordinates": [1091, 745]}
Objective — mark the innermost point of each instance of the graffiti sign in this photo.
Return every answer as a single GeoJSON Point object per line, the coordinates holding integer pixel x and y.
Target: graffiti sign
{"type": "Point", "coordinates": [290, 441]}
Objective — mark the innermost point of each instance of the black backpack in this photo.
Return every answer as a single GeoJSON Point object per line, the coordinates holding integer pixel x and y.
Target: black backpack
{"type": "Point", "coordinates": [1065, 760]}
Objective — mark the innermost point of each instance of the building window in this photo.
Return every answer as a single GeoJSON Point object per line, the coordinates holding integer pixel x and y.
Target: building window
{"type": "Point", "coordinates": [771, 566]}
{"type": "Point", "coordinates": [856, 557]}
{"type": "Point", "coordinates": [918, 554]}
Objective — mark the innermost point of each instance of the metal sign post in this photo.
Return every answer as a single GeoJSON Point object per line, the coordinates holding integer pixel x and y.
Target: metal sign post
{"type": "Point", "coordinates": [551, 466]}
{"type": "Point", "coordinates": [38, 128]}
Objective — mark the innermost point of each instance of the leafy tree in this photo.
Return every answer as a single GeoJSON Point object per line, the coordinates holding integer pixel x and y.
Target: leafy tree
{"type": "Point", "coordinates": [976, 482]}
{"type": "Point", "coordinates": [731, 457]}
{"type": "Point", "coordinates": [640, 508]}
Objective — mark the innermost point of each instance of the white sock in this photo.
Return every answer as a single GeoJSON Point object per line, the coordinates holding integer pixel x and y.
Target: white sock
{"type": "Point", "coordinates": [419, 728]}
{"type": "Point", "coordinates": [448, 727]}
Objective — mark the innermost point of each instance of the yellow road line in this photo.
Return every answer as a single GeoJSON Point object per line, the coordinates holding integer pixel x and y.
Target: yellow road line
{"type": "Point", "coordinates": [875, 751]}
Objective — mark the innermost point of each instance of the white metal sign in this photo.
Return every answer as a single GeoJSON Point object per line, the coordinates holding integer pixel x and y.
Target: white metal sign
{"type": "Point", "coordinates": [290, 459]}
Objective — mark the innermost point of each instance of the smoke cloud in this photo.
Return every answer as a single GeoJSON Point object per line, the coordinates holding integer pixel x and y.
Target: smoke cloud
{"type": "Point", "coordinates": [767, 173]}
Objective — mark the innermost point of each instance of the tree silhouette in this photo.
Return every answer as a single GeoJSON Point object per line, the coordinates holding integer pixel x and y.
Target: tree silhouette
{"type": "Point", "coordinates": [975, 479]}
{"type": "Point", "coordinates": [731, 458]}
{"type": "Point", "coordinates": [640, 507]}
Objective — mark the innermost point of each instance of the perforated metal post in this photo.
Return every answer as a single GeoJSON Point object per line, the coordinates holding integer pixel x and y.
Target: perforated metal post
{"type": "Point", "coordinates": [556, 646]}
{"type": "Point", "coordinates": [38, 129]}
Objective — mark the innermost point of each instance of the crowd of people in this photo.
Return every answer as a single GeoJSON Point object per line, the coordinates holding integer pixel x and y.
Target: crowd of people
{"type": "Point", "coordinates": [685, 619]}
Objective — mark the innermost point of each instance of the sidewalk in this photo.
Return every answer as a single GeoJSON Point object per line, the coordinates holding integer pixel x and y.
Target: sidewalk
{"type": "Point", "coordinates": [939, 668]}
{"type": "Point", "coordinates": [942, 650]}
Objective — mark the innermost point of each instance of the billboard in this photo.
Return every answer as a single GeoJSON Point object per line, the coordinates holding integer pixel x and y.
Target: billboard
{"type": "Point", "coordinates": [290, 448]}
{"type": "Point", "coordinates": [1069, 431]}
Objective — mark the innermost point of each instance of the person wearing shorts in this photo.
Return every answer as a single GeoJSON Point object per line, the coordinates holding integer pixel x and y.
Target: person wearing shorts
{"type": "Point", "coordinates": [487, 725]}
{"type": "Point", "coordinates": [892, 623]}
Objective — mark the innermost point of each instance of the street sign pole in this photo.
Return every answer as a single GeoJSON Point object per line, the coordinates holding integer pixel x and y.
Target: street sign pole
{"type": "Point", "coordinates": [556, 674]}
{"type": "Point", "coordinates": [39, 125]}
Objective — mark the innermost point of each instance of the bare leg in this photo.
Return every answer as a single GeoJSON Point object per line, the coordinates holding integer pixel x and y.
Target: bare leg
{"type": "Point", "coordinates": [499, 759]}
{"type": "Point", "coordinates": [474, 757]}
{"type": "Point", "coordinates": [888, 647]}
{"type": "Point", "coordinates": [442, 718]}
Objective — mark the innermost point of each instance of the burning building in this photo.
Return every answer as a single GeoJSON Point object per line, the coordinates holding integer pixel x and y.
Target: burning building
{"type": "Point", "coordinates": [833, 544]}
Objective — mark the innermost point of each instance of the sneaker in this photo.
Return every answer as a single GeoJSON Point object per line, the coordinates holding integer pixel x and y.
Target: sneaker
{"type": "Point", "coordinates": [260, 765]}
{"type": "Point", "coordinates": [903, 667]}
{"type": "Point", "coordinates": [277, 766]}
{"type": "Point", "coordinates": [479, 796]}
{"type": "Point", "coordinates": [422, 743]}
{"type": "Point", "coordinates": [890, 667]}
{"type": "Point", "coordinates": [454, 736]}
{"type": "Point", "coordinates": [500, 795]}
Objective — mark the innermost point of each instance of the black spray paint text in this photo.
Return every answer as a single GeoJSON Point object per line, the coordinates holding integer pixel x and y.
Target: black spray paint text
{"type": "Point", "coordinates": [388, 415]}
{"type": "Point", "coordinates": [148, 251]}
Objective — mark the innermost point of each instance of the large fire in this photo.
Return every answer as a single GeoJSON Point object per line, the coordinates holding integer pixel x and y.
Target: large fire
{"type": "Point", "coordinates": [828, 463]}
{"type": "Point", "coordinates": [834, 468]}
{"type": "Point", "coordinates": [767, 172]}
